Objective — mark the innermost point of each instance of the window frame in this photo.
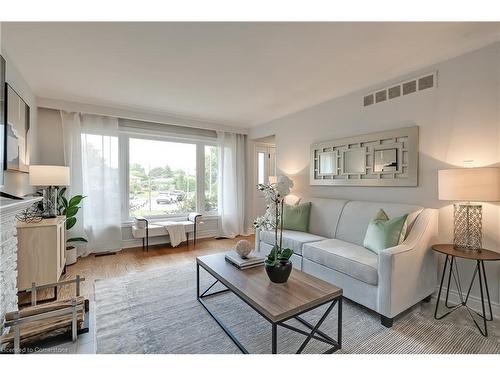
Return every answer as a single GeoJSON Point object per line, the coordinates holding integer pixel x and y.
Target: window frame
{"type": "Point", "coordinates": [124, 144]}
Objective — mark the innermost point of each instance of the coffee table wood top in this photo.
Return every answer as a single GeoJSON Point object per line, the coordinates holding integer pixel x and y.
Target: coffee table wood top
{"type": "Point", "coordinates": [277, 302]}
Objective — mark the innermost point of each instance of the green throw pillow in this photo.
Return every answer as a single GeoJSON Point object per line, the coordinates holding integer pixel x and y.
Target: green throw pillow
{"type": "Point", "coordinates": [383, 232]}
{"type": "Point", "coordinates": [297, 217]}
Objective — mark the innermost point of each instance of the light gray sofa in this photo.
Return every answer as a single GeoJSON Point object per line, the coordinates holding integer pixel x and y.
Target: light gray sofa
{"type": "Point", "coordinates": [332, 250]}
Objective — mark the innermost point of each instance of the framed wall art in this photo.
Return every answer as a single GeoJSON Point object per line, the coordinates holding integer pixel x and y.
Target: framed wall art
{"type": "Point", "coordinates": [17, 127]}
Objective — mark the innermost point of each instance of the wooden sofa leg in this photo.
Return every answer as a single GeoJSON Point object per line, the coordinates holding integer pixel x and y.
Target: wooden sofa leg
{"type": "Point", "coordinates": [427, 299]}
{"type": "Point", "coordinates": [386, 322]}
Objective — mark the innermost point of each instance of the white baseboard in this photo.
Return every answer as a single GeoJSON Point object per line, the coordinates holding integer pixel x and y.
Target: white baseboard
{"type": "Point", "coordinates": [474, 301]}
{"type": "Point", "coordinates": [159, 240]}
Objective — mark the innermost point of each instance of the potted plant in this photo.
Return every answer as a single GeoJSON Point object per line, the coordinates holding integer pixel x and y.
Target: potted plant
{"type": "Point", "coordinates": [277, 263]}
{"type": "Point", "coordinates": [70, 209]}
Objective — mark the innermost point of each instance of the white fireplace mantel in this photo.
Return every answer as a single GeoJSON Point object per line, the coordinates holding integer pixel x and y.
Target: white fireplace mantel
{"type": "Point", "coordinates": [8, 253]}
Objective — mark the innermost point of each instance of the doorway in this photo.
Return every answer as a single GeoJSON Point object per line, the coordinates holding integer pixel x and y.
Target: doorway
{"type": "Point", "coordinates": [265, 169]}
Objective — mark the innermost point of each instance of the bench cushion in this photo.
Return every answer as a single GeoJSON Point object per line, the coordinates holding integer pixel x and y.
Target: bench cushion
{"type": "Point", "coordinates": [345, 257]}
{"type": "Point", "coordinates": [292, 239]}
{"type": "Point", "coordinates": [158, 229]}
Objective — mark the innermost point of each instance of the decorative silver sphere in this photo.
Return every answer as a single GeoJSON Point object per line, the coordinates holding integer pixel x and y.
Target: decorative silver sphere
{"type": "Point", "coordinates": [243, 248]}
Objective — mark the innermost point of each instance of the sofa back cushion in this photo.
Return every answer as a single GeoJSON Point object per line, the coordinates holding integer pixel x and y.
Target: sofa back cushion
{"type": "Point", "coordinates": [325, 214]}
{"type": "Point", "coordinates": [356, 216]}
{"type": "Point", "coordinates": [297, 217]}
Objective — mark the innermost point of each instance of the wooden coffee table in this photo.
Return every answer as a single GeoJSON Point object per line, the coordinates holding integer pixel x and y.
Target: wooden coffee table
{"type": "Point", "coordinates": [277, 303]}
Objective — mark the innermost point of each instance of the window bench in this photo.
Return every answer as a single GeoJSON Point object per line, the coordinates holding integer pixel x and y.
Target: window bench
{"type": "Point", "coordinates": [144, 228]}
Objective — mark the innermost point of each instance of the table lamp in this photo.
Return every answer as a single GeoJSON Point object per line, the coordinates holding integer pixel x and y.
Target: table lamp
{"type": "Point", "coordinates": [468, 185]}
{"type": "Point", "coordinates": [50, 177]}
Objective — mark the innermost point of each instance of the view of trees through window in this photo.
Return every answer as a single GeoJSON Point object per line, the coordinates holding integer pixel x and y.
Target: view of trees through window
{"type": "Point", "coordinates": [163, 177]}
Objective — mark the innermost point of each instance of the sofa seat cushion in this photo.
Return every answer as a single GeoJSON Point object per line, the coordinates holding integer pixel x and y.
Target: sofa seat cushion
{"type": "Point", "coordinates": [292, 239]}
{"type": "Point", "coordinates": [345, 257]}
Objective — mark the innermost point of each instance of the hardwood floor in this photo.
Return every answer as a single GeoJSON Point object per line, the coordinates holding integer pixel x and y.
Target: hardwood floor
{"type": "Point", "coordinates": [137, 260]}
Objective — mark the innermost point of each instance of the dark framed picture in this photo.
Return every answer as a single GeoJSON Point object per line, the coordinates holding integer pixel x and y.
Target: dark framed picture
{"type": "Point", "coordinates": [16, 131]}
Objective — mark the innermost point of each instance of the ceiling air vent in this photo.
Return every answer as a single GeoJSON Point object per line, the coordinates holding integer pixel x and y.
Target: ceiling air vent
{"type": "Point", "coordinates": [401, 89]}
{"type": "Point", "coordinates": [368, 100]}
{"type": "Point", "coordinates": [380, 96]}
{"type": "Point", "coordinates": [394, 92]}
{"type": "Point", "coordinates": [409, 87]}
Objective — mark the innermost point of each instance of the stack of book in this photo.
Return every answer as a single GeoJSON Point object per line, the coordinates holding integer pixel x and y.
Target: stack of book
{"type": "Point", "coordinates": [250, 261]}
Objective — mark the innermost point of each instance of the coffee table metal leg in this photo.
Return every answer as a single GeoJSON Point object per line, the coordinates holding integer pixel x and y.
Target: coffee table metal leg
{"type": "Point", "coordinates": [274, 349]}
{"type": "Point", "coordinates": [316, 327]}
{"type": "Point", "coordinates": [339, 328]}
{"type": "Point", "coordinates": [197, 281]}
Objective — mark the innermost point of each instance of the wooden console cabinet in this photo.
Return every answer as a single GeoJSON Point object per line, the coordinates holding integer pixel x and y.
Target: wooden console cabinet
{"type": "Point", "coordinates": [41, 252]}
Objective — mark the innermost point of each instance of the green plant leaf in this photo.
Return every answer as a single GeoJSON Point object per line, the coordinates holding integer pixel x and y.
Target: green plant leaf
{"type": "Point", "coordinates": [270, 263]}
{"type": "Point", "coordinates": [71, 211]}
{"type": "Point", "coordinates": [285, 254]}
{"type": "Point", "coordinates": [75, 201]}
{"type": "Point", "coordinates": [76, 239]}
{"type": "Point", "coordinates": [273, 254]}
{"type": "Point", "coordinates": [70, 222]}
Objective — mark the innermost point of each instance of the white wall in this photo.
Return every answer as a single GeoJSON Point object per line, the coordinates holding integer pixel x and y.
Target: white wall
{"type": "Point", "coordinates": [50, 137]}
{"type": "Point", "coordinates": [16, 182]}
{"type": "Point", "coordinates": [459, 120]}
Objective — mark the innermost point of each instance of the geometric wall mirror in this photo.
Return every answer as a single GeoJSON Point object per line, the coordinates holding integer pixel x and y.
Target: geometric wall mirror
{"type": "Point", "coordinates": [354, 161]}
{"type": "Point", "coordinates": [387, 158]}
{"type": "Point", "coordinates": [327, 163]}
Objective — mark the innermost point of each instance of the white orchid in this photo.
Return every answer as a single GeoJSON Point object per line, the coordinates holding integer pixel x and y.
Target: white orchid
{"type": "Point", "coordinates": [283, 186]}
{"type": "Point", "coordinates": [274, 195]}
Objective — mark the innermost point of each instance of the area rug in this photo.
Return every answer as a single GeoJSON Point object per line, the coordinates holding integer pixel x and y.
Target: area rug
{"type": "Point", "coordinates": [157, 312]}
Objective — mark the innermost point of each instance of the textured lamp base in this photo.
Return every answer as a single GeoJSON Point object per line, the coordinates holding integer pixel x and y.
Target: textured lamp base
{"type": "Point", "coordinates": [49, 202]}
{"type": "Point", "coordinates": [467, 234]}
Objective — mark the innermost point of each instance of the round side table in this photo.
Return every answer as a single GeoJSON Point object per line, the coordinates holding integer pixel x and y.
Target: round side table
{"type": "Point", "coordinates": [479, 257]}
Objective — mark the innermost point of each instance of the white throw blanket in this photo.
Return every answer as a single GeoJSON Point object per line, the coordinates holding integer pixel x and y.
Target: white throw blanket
{"type": "Point", "coordinates": [176, 232]}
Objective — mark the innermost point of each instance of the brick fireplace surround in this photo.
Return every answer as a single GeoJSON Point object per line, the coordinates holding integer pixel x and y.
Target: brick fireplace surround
{"type": "Point", "coordinates": [8, 254]}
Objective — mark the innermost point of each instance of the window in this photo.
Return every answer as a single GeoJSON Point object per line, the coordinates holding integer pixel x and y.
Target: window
{"type": "Point", "coordinates": [170, 177]}
{"type": "Point", "coordinates": [211, 178]}
{"type": "Point", "coordinates": [162, 177]}
{"type": "Point", "coordinates": [261, 156]}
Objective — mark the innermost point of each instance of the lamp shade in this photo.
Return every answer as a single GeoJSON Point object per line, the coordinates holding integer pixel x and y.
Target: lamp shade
{"type": "Point", "coordinates": [49, 175]}
{"type": "Point", "coordinates": [469, 184]}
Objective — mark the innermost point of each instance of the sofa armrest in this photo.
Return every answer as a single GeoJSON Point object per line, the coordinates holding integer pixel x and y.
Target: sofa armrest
{"type": "Point", "coordinates": [408, 272]}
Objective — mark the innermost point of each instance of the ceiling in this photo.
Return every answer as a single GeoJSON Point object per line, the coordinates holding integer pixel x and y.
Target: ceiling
{"type": "Point", "coordinates": [237, 74]}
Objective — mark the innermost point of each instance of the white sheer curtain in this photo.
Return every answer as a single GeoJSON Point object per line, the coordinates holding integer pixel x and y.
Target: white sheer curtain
{"type": "Point", "coordinates": [232, 183]}
{"type": "Point", "coordinates": [91, 151]}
